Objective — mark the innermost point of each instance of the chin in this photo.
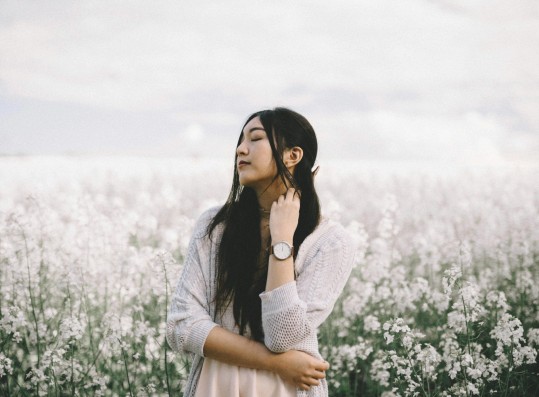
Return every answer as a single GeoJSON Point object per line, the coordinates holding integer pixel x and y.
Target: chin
{"type": "Point", "coordinates": [250, 182]}
{"type": "Point", "coordinates": [247, 180]}
{"type": "Point", "coordinates": [246, 183]}
{"type": "Point", "coordinates": [253, 181]}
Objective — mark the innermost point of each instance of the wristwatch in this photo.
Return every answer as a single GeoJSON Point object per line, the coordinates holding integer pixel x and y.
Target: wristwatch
{"type": "Point", "coordinates": [282, 250]}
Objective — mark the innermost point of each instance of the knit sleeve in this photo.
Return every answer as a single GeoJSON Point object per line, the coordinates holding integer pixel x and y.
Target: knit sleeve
{"type": "Point", "coordinates": [294, 311]}
{"type": "Point", "coordinates": [188, 320]}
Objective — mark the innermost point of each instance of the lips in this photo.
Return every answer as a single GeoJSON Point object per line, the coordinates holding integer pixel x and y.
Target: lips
{"type": "Point", "coordinates": [242, 163]}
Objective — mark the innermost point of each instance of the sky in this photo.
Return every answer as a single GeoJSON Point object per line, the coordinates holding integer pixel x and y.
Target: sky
{"type": "Point", "coordinates": [439, 81]}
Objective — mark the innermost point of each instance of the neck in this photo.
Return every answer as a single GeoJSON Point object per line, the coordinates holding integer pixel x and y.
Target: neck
{"type": "Point", "coordinates": [268, 196]}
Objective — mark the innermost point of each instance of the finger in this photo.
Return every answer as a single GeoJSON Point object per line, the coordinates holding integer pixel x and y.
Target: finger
{"type": "Point", "coordinates": [293, 195]}
{"type": "Point", "coordinates": [323, 366]}
{"type": "Point", "coordinates": [312, 382]}
{"type": "Point", "coordinates": [290, 193]}
{"type": "Point", "coordinates": [304, 387]}
{"type": "Point", "coordinates": [319, 375]}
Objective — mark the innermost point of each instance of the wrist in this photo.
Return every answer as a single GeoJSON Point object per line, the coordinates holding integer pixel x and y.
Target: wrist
{"type": "Point", "coordinates": [272, 362]}
{"type": "Point", "coordinates": [282, 237]}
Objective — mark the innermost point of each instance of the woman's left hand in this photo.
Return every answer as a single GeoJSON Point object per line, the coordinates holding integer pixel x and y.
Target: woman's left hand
{"type": "Point", "coordinates": [284, 217]}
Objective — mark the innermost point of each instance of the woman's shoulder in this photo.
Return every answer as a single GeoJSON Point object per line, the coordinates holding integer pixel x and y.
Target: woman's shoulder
{"type": "Point", "coordinates": [328, 237]}
{"type": "Point", "coordinates": [209, 213]}
{"type": "Point", "coordinates": [328, 233]}
{"type": "Point", "coordinates": [204, 219]}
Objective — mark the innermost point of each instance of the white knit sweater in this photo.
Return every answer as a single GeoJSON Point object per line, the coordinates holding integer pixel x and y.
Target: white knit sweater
{"type": "Point", "coordinates": [291, 313]}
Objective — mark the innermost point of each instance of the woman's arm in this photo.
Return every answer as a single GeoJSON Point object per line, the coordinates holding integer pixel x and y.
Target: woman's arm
{"type": "Point", "coordinates": [283, 223]}
{"type": "Point", "coordinates": [292, 309]}
{"type": "Point", "coordinates": [188, 320]}
{"type": "Point", "coordinates": [190, 327]}
{"type": "Point", "coordinates": [295, 367]}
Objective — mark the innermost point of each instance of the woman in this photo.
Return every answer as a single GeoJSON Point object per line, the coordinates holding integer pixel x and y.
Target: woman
{"type": "Point", "coordinates": [262, 272]}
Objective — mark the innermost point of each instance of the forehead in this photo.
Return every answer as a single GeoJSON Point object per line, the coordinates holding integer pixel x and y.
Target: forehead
{"type": "Point", "coordinates": [253, 125]}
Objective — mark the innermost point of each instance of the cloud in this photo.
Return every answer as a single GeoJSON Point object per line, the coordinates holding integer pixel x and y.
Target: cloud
{"type": "Point", "coordinates": [156, 54]}
{"type": "Point", "coordinates": [474, 139]}
{"type": "Point", "coordinates": [407, 79]}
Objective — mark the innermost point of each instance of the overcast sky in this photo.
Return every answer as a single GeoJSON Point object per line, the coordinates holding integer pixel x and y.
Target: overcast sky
{"type": "Point", "coordinates": [452, 81]}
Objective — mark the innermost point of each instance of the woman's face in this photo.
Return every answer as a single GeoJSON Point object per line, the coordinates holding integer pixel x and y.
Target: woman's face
{"type": "Point", "coordinates": [256, 166]}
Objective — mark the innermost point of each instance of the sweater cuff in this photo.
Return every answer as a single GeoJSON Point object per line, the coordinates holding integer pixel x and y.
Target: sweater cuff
{"type": "Point", "coordinates": [199, 334]}
{"type": "Point", "coordinates": [281, 297]}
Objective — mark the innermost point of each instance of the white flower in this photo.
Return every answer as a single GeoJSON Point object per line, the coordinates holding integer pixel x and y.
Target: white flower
{"type": "Point", "coordinates": [497, 300]}
{"type": "Point", "coordinates": [360, 240]}
{"type": "Point", "coordinates": [456, 321]}
{"type": "Point", "coordinates": [36, 376]}
{"type": "Point", "coordinates": [71, 330]}
{"type": "Point", "coordinates": [508, 331]}
{"type": "Point", "coordinates": [429, 358]}
{"type": "Point", "coordinates": [387, 325]}
{"type": "Point", "coordinates": [379, 372]}
{"type": "Point", "coordinates": [12, 319]}
{"type": "Point", "coordinates": [524, 355]}
{"type": "Point", "coordinates": [451, 276]}
{"type": "Point", "coordinates": [371, 323]}
{"type": "Point", "coordinates": [407, 341]}
{"type": "Point", "coordinates": [465, 254]}
{"type": "Point", "coordinates": [5, 365]}
{"type": "Point", "coordinates": [472, 388]}
{"type": "Point", "coordinates": [50, 312]}
{"type": "Point", "coordinates": [474, 373]}
{"type": "Point", "coordinates": [533, 336]}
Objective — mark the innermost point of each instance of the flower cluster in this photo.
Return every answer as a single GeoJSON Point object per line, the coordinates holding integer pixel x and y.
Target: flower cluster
{"type": "Point", "coordinates": [446, 291]}
{"type": "Point", "coordinates": [443, 299]}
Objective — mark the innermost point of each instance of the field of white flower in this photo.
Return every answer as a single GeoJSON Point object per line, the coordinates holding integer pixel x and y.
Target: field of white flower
{"type": "Point", "coordinates": [443, 300]}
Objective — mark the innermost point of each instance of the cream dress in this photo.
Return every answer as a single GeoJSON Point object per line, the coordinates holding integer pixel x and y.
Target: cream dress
{"type": "Point", "coordinates": [221, 379]}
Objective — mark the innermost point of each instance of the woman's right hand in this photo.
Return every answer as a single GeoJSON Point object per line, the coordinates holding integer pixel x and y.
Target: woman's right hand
{"type": "Point", "coordinates": [300, 368]}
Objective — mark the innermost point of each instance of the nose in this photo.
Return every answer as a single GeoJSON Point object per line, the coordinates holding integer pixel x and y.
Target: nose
{"type": "Point", "coordinates": [242, 148]}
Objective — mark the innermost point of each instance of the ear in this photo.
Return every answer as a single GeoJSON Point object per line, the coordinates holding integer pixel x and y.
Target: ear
{"type": "Point", "coordinates": [292, 156]}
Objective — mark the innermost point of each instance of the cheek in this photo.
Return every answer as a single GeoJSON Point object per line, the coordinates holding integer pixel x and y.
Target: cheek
{"type": "Point", "coordinates": [268, 155]}
{"type": "Point", "coordinates": [272, 168]}
{"type": "Point", "coordinates": [269, 162]}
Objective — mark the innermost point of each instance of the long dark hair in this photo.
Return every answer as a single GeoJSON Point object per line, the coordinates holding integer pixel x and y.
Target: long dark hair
{"type": "Point", "coordinates": [239, 278]}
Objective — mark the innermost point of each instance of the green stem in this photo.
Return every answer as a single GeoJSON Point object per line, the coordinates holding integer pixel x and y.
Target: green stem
{"type": "Point", "coordinates": [465, 377]}
{"type": "Point", "coordinates": [126, 370]}
{"type": "Point", "coordinates": [414, 371]}
{"type": "Point", "coordinates": [466, 322]}
{"type": "Point", "coordinates": [165, 342]}
{"type": "Point", "coordinates": [55, 383]}
{"type": "Point", "coordinates": [93, 363]}
{"type": "Point", "coordinates": [85, 304]}
{"type": "Point", "coordinates": [508, 372]}
{"type": "Point", "coordinates": [32, 299]}
{"type": "Point", "coordinates": [72, 370]}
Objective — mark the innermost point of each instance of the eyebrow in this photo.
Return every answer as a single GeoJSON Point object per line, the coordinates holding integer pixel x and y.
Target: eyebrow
{"type": "Point", "coordinates": [255, 129]}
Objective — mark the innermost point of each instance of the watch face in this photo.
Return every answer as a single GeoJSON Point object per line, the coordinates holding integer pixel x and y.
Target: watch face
{"type": "Point", "coordinates": [281, 250]}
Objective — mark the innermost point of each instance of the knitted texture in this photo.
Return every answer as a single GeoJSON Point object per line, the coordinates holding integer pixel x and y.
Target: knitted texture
{"type": "Point", "coordinates": [291, 313]}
